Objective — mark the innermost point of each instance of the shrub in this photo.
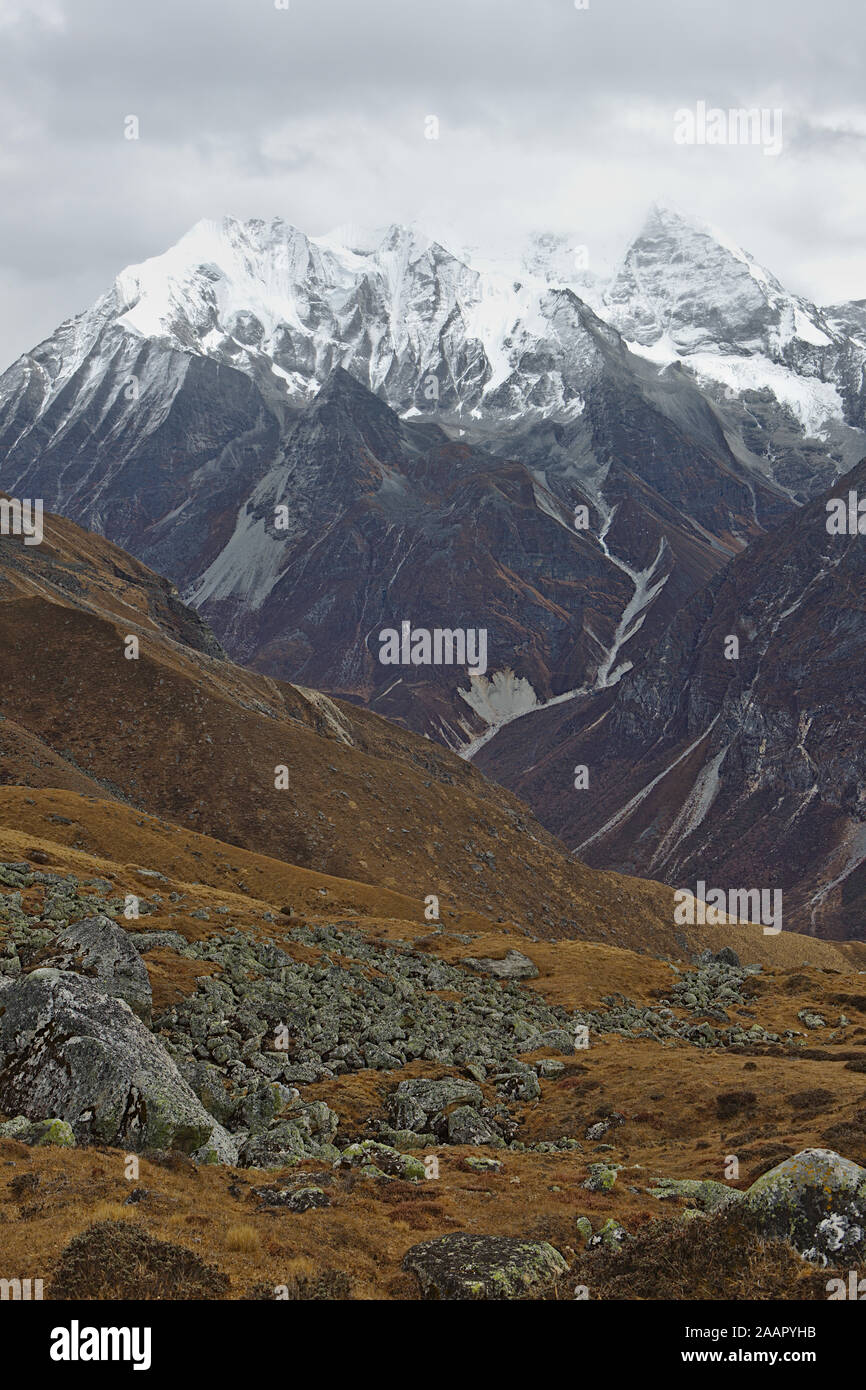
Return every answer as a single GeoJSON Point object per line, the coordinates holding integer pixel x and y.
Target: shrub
{"type": "Point", "coordinates": [114, 1259]}
{"type": "Point", "coordinates": [719, 1257]}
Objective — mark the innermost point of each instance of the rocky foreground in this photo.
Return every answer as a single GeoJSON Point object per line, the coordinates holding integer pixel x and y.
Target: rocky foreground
{"type": "Point", "coordinates": [309, 1071]}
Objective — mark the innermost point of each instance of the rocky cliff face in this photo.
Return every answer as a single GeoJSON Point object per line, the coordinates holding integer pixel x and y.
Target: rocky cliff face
{"type": "Point", "coordinates": [743, 770]}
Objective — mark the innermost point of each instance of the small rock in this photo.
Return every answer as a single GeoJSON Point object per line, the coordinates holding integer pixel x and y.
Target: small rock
{"type": "Point", "coordinates": [601, 1177]}
{"type": "Point", "coordinates": [477, 1163]}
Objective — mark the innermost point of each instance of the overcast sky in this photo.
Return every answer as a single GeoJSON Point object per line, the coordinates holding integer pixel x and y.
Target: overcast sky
{"type": "Point", "coordinates": [550, 117]}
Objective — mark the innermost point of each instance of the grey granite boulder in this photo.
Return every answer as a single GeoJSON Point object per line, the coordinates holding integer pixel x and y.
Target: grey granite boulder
{"type": "Point", "coordinates": [70, 1051]}
{"type": "Point", "coordinates": [279, 1147]}
{"type": "Point", "coordinates": [413, 1101]}
{"type": "Point", "coordinates": [519, 1082]}
{"type": "Point", "coordinates": [464, 1125]}
{"type": "Point", "coordinates": [96, 947]}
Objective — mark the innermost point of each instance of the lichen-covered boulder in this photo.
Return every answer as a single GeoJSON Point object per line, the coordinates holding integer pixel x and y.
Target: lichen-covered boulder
{"type": "Point", "coordinates": [514, 965]}
{"type": "Point", "coordinates": [464, 1266]}
{"type": "Point", "coordinates": [316, 1119]}
{"type": "Point", "coordinates": [601, 1177]}
{"type": "Point", "coordinates": [96, 947]}
{"type": "Point", "coordinates": [519, 1082]}
{"type": "Point", "coordinates": [17, 875]}
{"type": "Point", "coordinates": [262, 1104]}
{"type": "Point", "coordinates": [215, 1092]}
{"type": "Point", "coordinates": [279, 1147]}
{"type": "Point", "coordinates": [69, 1051]}
{"type": "Point", "coordinates": [464, 1125]}
{"type": "Point", "coordinates": [583, 1226]}
{"type": "Point", "coordinates": [307, 1199]}
{"type": "Point", "coordinates": [369, 1153]}
{"type": "Point", "coordinates": [816, 1200]}
{"type": "Point", "coordinates": [39, 1132]}
{"type": "Point", "coordinates": [479, 1163]}
{"type": "Point", "coordinates": [704, 1193]}
{"type": "Point", "coordinates": [414, 1101]}
{"type": "Point", "coordinates": [548, 1066]}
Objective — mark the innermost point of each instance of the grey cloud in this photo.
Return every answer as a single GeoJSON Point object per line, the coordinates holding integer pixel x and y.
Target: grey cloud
{"type": "Point", "coordinates": [550, 116]}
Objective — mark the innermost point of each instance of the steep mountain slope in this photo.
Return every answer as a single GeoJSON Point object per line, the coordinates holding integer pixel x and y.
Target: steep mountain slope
{"type": "Point", "coordinates": [740, 772]}
{"type": "Point", "coordinates": [183, 733]}
{"type": "Point", "coordinates": [848, 318]}
{"type": "Point", "coordinates": [411, 525]}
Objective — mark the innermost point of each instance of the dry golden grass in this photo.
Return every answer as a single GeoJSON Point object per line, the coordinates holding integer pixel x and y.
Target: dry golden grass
{"type": "Point", "coordinates": [243, 1238]}
{"type": "Point", "coordinates": [111, 1211]}
{"type": "Point", "coordinates": [668, 1095]}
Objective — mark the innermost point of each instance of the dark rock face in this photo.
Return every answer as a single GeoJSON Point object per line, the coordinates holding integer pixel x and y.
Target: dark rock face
{"type": "Point", "coordinates": [465, 1125]}
{"type": "Point", "coordinates": [462, 1266]}
{"type": "Point", "coordinates": [416, 1101]}
{"type": "Point", "coordinates": [746, 772]}
{"type": "Point", "coordinates": [444, 534]}
{"type": "Point", "coordinates": [178, 456]}
{"type": "Point", "coordinates": [447, 535]}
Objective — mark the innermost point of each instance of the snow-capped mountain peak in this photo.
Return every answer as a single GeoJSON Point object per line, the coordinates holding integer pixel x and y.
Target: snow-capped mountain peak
{"type": "Point", "coordinates": [687, 280]}
{"type": "Point", "coordinates": [684, 292]}
{"type": "Point", "coordinates": [412, 321]}
{"type": "Point", "coordinates": [456, 336]}
{"type": "Point", "coordinates": [218, 277]}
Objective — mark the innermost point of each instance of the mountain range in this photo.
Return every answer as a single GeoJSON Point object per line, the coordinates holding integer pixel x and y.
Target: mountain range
{"type": "Point", "coordinates": [319, 439]}
{"type": "Point", "coordinates": [301, 955]}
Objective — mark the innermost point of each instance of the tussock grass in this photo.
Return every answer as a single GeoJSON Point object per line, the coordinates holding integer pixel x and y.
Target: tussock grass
{"type": "Point", "coordinates": [243, 1238]}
